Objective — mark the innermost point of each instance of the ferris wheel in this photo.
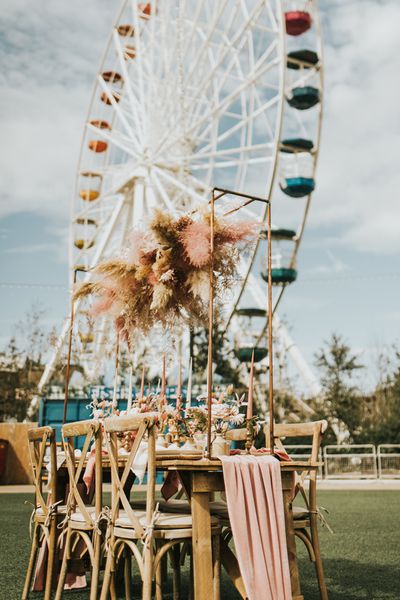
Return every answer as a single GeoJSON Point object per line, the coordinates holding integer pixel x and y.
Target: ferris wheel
{"type": "Point", "coordinates": [192, 95]}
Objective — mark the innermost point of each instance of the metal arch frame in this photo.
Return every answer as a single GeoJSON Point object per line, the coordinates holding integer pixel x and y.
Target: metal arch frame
{"type": "Point", "coordinates": [218, 110]}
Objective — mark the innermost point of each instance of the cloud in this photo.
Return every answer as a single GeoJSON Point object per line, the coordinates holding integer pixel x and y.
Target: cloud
{"type": "Point", "coordinates": [49, 53]}
{"type": "Point", "coordinates": [358, 172]}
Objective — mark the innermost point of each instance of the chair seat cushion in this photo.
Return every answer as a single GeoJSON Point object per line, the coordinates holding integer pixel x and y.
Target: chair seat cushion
{"type": "Point", "coordinates": [300, 512]}
{"type": "Point", "coordinates": [163, 521]}
{"type": "Point", "coordinates": [80, 517]}
{"type": "Point", "coordinates": [61, 509]}
{"type": "Point", "coordinates": [217, 508]}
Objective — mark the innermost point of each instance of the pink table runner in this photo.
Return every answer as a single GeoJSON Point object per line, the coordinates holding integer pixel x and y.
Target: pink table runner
{"type": "Point", "coordinates": [253, 489]}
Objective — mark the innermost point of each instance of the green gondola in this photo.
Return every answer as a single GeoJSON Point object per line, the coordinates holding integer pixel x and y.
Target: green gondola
{"type": "Point", "coordinates": [244, 354]}
{"type": "Point", "coordinates": [251, 312]}
{"type": "Point", "coordinates": [305, 97]}
{"type": "Point", "coordinates": [302, 58]}
{"type": "Point", "coordinates": [293, 145]}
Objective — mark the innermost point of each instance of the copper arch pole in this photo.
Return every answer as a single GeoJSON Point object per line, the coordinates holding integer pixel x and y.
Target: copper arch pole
{"type": "Point", "coordinates": [249, 200]}
{"type": "Point", "coordinates": [210, 327]}
{"type": "Point", "coordinates": [71, 326]}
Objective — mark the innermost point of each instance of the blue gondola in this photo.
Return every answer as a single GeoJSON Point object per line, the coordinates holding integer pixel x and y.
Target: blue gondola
{"type": "Point", "coordinates": [298, 187]}
{"type": "Point", "coordinates": [281, 275]}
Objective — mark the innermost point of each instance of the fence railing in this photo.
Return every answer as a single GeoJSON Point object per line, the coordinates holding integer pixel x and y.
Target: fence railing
{"type": "Point", "coordinates": [388, 461]}
{"type": "Point", "coordinates": [357, 461]}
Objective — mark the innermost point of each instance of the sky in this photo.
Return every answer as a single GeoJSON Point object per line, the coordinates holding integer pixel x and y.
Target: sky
{"type": "Point", "coordinates": [349, 276]}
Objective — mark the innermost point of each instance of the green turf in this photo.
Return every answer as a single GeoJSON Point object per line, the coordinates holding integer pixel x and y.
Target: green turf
{"type": "Point", "coordinates": [361, 559]}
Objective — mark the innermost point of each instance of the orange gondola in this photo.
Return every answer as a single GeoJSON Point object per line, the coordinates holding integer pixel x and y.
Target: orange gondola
{"type": "Point", "coordinates": [112, 77]}
{"type": "Point", "coordinates": [89, 195]}
{"type": "Point", "coordinates": [107, 100]}
{"type": "Point", "coordinates": [129, 52]}
{"type": "Point", "coordinates": [100, 124]}
{"type": "Point", "coordinates": [144, 10]}
{"type": "Point", "coordinates": [97, 146]}
{"type": "Point", "coordinates": [126, 30]}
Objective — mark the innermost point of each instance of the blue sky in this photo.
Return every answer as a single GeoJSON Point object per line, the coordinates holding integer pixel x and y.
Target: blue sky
{"type": "Point", "coordinates": [349, 261]}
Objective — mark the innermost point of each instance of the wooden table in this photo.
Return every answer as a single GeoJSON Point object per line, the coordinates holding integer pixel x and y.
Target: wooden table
{"type": "Point", "coordinates": [200, 477]}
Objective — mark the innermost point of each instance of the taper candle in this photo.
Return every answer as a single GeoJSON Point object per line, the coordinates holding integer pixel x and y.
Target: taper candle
{"type": "Point", "coordinates": [189, 387]}
{"type": "Point", "coordinates": [251, 388]}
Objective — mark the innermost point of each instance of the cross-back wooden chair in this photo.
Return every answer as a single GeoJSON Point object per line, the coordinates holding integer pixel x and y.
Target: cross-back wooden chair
{"type": "Point", "coordinates": [83, 522]}
{"type": "Point", "coordinates": [158, 532]}
{"type": "Point", "coordinates": [306, 518]}
{"type": "Point", "coordinates": [46, 509]}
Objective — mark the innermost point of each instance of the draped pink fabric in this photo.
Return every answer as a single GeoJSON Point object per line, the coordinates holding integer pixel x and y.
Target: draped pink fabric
{"type": "Point", "coordinates": [253, 489]}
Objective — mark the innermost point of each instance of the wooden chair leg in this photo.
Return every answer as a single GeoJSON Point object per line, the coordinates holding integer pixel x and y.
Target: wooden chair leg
{"type": "Point", "coordinates": [51, 548]}
{"type": "Point", "coordinates": [94, 583]}
{"type": "Point", "coordinates": [148, 572]}
{"type": "Point", "coordinates": [176, 571]}
{"type": "Point", "coordinates": [159, 575]}
{"type": "Point", "coordinates": [107, 577]}
{"type": "Point", "coordinates": [216, 549]}
{"type": "Point", "coordinates": [128, 573]}
{"type": "Point", "coordinates": [113, 587]}
{"type": "Point", "coordinates": [64, 565]}
{"type": "Point", "coordinates": [319, 569]}
{"type": "Point", "coordinates": [31, 564]}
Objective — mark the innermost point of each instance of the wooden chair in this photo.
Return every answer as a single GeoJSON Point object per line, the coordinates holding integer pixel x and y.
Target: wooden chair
{"type": "Point", "coordinates": [82, 522]}
{"type": "Point", "coordinates": [46, 509]}
{"type": "Point", "coordinates": [306, 518]}
{"type": "Point", "coordinates": [158, 532]}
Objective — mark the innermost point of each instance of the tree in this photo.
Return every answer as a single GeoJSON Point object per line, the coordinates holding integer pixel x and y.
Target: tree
{"type": "Point", "coordinates": [21, 365]}
{"type": "Point", "coordinates": [342, 402]}
{"type": "Point", "coordinates": [381, 418]}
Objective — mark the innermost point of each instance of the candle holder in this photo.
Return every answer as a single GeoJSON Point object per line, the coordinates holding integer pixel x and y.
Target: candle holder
{"type": "Point", "coordinates": [251, 433]}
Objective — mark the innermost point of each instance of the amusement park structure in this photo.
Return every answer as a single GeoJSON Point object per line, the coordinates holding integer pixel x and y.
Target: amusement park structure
{"type": "Point", "coordinates": [192, 95]}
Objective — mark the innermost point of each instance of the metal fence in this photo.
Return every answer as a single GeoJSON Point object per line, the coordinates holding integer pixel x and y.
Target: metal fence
{"type": "Point", "coordinates": [358, 461]}
{"type": "Point", "coordinates": [302, 452]}
{"type": "Point", "coordinates": [355, 461]}
{"type": "Point", "coordinates": [388, 461]}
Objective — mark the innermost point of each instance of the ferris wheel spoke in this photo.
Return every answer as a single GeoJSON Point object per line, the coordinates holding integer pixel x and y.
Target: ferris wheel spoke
{"type": "Point", "coordinates": [162, 192]}
{"type": "Point", "coordinates": [228, 68]}
{"type": "Point", "coordinates": [228, 151]}
{"type": "Point", "coordinates": [232, 130]}
{"type": "Point", "coordinates": [139, 55]}
{"type": "Point", "coordinates": [218, 111]}
{"type": "Point", "coordinates": [133, 100]}
{"type": "Point", "coordinates": [178, 184]}
{"type": "Point", "coordinates": [233, 163]}
{"type": "Point", "coordinates": [117, 110]}
{"type": "Point", "coordinates": [114, 139]}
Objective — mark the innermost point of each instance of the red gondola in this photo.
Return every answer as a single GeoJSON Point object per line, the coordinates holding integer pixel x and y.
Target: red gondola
{"type": "Point", "coordinates": [297, 22]}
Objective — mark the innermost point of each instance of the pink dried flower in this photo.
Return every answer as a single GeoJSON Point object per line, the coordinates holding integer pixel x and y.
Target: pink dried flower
{"type": "Point", "coordinates": [196, 242]}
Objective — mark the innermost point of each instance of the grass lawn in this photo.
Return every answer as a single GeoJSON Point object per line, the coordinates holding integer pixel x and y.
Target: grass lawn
{"type": "Point", "coordinates": [362, 558]}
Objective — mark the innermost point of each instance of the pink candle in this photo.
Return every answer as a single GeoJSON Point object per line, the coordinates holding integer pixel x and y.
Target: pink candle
{"type": "Point", "coordinates": [251, 388]}
{"type": "Point", "coordinates": [162, 394]}
{"type": "Point", "coordinates": [179, 390]}
{"type": "Point", "coordinates": [142, 385]}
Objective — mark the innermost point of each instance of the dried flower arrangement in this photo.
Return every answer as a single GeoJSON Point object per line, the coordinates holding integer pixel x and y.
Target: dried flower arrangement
{"type": "Point", "coordinates": [163, 277]}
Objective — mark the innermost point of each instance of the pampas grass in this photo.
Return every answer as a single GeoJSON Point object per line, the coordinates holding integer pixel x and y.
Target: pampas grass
{"type": "Point", "coordinates": [163, 276]}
